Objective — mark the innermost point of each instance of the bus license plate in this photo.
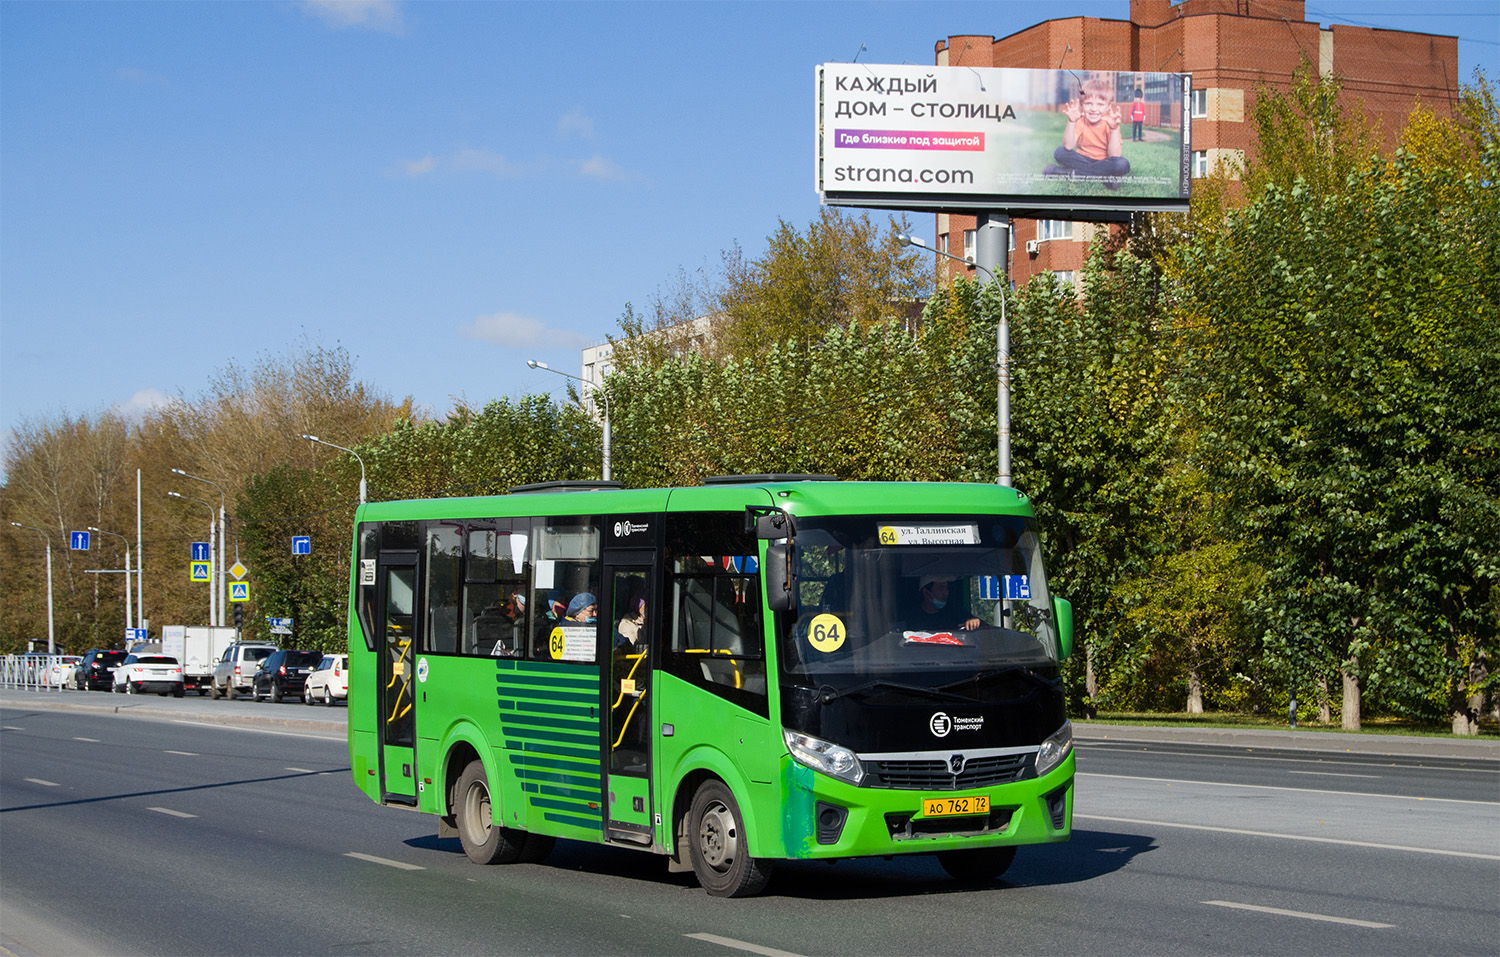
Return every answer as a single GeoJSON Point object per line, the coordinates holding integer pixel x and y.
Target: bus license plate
{"type": "Point", "coordinates": [954, 806]}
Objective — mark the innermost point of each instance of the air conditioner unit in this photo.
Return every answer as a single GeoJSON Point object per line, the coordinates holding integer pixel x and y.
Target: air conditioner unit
{"type": "Point", "coordinates": [1033, 246]}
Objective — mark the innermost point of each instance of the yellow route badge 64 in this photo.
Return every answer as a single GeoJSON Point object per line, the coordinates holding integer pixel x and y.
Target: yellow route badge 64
{"type": "Point", "coordinates": [826, 633]}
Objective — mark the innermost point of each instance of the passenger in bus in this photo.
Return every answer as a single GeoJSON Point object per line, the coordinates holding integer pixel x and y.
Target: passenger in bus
{"type": "Point", "coordinates": [583, 609]}
{"type": "Point", "coordinates": [934, 611]}
{"type": "Point", "coordinates": [630, 632]}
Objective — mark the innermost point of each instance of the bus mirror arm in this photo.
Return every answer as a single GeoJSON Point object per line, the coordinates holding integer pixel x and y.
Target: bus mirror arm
{"type": "Point", "coordinates": [769, 523]}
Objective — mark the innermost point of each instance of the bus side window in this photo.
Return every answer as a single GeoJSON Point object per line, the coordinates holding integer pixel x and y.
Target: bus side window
{"type": "Point", "coordinates": [444, 574]}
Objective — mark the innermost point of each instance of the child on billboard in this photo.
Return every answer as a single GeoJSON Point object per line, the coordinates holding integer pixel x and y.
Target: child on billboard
{"type": "Point", "coordinates": [1091, 140]}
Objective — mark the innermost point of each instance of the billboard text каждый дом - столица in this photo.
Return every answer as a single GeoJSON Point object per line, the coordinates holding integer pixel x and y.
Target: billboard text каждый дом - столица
{"type": "Point", "coordinates": [971, 138]}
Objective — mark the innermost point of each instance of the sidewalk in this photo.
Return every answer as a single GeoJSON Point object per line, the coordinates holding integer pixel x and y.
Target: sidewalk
{"type": "Point", "coordinates": [335, 721]}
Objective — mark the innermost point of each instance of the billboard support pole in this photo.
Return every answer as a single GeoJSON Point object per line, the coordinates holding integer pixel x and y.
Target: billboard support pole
{"type": "Point", "coordinates": [991, 255]}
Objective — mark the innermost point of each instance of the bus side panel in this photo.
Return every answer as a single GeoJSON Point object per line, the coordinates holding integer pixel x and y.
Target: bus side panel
{"type": "Point", "coordinates": [549, 735]}
{"type": "Point", "coordinates": [711, 734]}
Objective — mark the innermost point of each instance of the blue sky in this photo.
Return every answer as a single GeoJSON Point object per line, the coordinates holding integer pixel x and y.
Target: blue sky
{"type": "Point", "coordinates": [445, 189]}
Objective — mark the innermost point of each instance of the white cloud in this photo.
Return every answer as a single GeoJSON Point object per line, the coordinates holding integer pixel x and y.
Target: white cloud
{"type": "Point", "coordinates": [597, 167]}
{"type": "Point", "coordinates": [513, 330]}
{"type": "Point", "coordinates": [576, 123]}
{"type": "Point", "coordinates": [144, 401]}
{"type": "Point", "coordinates": [419, 167]}
{"type": "Point", "coordinates": [485, 161]}
{"type": "Point", "coordinates": [383, 15]}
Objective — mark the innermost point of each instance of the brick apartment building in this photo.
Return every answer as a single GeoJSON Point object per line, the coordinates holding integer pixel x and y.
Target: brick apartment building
{"type": "Point", "coordinates": [1231, 48]}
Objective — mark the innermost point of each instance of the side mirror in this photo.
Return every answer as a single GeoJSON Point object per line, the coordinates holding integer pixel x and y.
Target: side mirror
{"type": "Point", "coordinates": [781, 580]}
{"type": "Point", "coordinates": [1062, 613]}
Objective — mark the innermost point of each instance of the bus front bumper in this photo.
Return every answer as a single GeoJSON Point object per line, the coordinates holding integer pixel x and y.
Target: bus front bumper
{"type": "Point", "coordinates": [829, 818]}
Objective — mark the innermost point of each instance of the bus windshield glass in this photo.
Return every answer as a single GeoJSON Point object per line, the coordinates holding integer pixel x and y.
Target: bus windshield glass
{"type": "Point", "coordinates": [925, 600]}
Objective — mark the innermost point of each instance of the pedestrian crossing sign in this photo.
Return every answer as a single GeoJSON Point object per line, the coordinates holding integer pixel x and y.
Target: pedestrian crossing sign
{"type": "Point", "coordinates": [200, 571]}
{"type": "Point", "coordinates": [239, 591]}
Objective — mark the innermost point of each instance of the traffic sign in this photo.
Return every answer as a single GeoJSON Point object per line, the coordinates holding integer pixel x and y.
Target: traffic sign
{"type": "Point", "coordinates": [200, 552]}
{"type": "Point", "coordinates": [200, 571]}
{"type": "Point", "coordinates": [239, 591]}
{"type": "Point", "coordinates": [301, 544]}
{"type": "Point", "coordinates": [238, 570]}
{"type": "Point", "coordinates": [278, 622]}
{"type": "Point", "coordinates": [79, 541]}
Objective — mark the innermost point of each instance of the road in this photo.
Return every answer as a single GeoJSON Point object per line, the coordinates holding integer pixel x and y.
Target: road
{"type": "Point", "coordinates": [171, 836]}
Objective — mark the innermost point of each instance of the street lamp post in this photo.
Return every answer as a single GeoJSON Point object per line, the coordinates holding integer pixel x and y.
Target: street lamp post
{"type": "Point", "coordinates": [222, 587]}
{"type": "Point", "coordinates": [128, 616]}
{"type": "Point", "coordinates": [314, 438]}
{"type": "Point", "coordinates": [51, 638]}
{"type": "Point", "coordinates": [597, 391]}
{"type": "Point", "coordinates": [213, 595]}
{"type": "Point", "coordinates": [1002, 360]}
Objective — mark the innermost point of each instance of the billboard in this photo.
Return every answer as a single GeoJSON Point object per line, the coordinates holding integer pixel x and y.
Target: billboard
{"type": "Point", "coordinates": [1097, 144]}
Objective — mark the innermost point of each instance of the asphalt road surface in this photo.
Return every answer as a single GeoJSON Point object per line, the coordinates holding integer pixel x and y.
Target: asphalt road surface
{"type": "Point", "coordinates": [175, 836]}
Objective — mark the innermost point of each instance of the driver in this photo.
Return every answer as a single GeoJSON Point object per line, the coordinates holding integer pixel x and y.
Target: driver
{"type": "Point", "coordinates": [934, 613]}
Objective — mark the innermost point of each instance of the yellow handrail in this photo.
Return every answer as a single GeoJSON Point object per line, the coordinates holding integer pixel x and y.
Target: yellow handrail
{"type": "Point", "coordinates": [405, 645]}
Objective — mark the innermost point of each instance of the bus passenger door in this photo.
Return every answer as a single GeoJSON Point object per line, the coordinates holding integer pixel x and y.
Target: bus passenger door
{"type": "Point", "coordinates": [630, 602]}
{"type": "Point", "coordinates": [396, 628]}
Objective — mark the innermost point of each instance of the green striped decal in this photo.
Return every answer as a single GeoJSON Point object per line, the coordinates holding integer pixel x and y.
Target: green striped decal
{"type": "Point", "coordinates": [550, 726]}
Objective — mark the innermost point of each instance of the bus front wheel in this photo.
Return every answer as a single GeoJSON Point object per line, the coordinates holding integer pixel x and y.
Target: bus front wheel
{"type": "Point", "coordinates": [719, 846]}
{"type": "Point", "coordinates": [979, 864]}
{"type": "Point", "coordinates": [483, 841]}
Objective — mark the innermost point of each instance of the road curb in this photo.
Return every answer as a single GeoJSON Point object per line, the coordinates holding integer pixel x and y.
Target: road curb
{"type": "Point", "coordinates": [1325, 742]}
{"type": "Point", "coordinates": [56, 702]}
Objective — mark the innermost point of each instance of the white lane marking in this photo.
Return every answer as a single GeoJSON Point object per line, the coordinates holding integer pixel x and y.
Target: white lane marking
{"type": "Point", "coordinates": [1290, 837]}
{"type": "Point", "coordinates": [89, 740]}
{"type": "Point", "coordinates": [45, 784]}
{"type": "Point", "coordinates": [10, 727]}
{"type": "Point", "coordinates": [400, 865]}
{"type": "Point", "coordinates": [1303, 914]}
{"type": "Point", "coordinates": [186, 754]}
{"type": "Point", "coordinates": [1272, 787]}
{"type": "Point", "coordinates": [169, 811]}
{"type": "Point", "coordinates": [741, 945]}
{"type": "Point", "coordinates": [1335, 774]}
{"type": "Point", "coordinates": [301, 770]}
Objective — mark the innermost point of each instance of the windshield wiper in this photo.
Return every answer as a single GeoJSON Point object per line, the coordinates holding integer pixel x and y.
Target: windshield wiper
{"type": "Point", "coordinates": [1049, 683]}
{"type": "Point", "coordinates": [827, 693]}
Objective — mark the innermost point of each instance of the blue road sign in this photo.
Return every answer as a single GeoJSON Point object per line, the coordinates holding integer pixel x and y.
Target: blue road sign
{"type": "Point", "coordinates": [1018, 587]}
{"type": "Point", "coordinates": [301, 544]}
{"type": "Point", "coordinates": [80, 542]}
{"type": "Point", "coordinates": [278, 622]}
{"type": "Point", "coordinates": [200, 552]}
{"type": "Point", "coordinates": [239, 591]}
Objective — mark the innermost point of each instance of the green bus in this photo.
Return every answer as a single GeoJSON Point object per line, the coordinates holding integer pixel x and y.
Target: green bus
{"type": "Point", "coordinates": [762, 668]}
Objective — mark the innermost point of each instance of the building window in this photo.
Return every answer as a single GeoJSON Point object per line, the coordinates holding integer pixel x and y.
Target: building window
{"type": "Point", "coordinates": [942, 242]}
{"type": "Point", "coordinates": [1054, 229]}
{"type": "Point", "coordinates": [969, 235]}
{"type": "Point", "coordinates": [1066, 277]}
{"type": "Point", "coordinates": [1200, 103]}
{"type": "Point", "coordinates": [1200, 163]}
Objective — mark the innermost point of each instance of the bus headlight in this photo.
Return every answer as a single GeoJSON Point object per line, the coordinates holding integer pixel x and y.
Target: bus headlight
{"type": "Point", "coordinates": [820, 755]}
{"type": "Point", "coordinates": [1054, 749]}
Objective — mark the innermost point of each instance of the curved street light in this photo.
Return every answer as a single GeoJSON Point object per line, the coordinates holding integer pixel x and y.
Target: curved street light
{"type": "Point", "coordinates": [213, 595]}
{"type": "Point", "coordinates": [314, 438]}
{"type": "Point", "coordinates": [223, 546]}
{"type": "Point", "coordinates": [122, 538]}
{"type": "Point", "coordinates": [1002, 359]}
{"type": "Point", "coordinates": [597, 391]}
{"type": "Point", "coordinates": [51, 643]}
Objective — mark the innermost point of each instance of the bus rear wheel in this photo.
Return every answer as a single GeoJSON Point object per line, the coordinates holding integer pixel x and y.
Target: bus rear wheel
{"type": "Point", "coordinates": [483, 841]}
{"type": "Point", "coordinates": [719, 846]}
{"type": "Point", "coordinates": [979, 864]}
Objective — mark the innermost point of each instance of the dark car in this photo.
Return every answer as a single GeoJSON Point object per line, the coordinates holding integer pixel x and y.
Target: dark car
{"type": "Point", "coordinates": [97, 670]}
{"type": "Point", "coordinates": [284, 674]}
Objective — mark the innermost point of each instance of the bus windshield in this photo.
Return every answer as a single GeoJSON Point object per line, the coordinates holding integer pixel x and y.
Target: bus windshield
{"type": "Point", "coordinates": [927, 600]}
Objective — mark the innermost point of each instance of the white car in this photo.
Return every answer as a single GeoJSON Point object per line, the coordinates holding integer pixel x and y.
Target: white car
{"type": "Point", "coordinates": [329, 681]}
{"type": "Point", "coordinates": [142, 673]}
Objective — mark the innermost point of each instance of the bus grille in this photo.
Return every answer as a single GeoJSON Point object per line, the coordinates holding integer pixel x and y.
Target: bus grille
{"type": "Point", "coordinates": [933, 775]}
